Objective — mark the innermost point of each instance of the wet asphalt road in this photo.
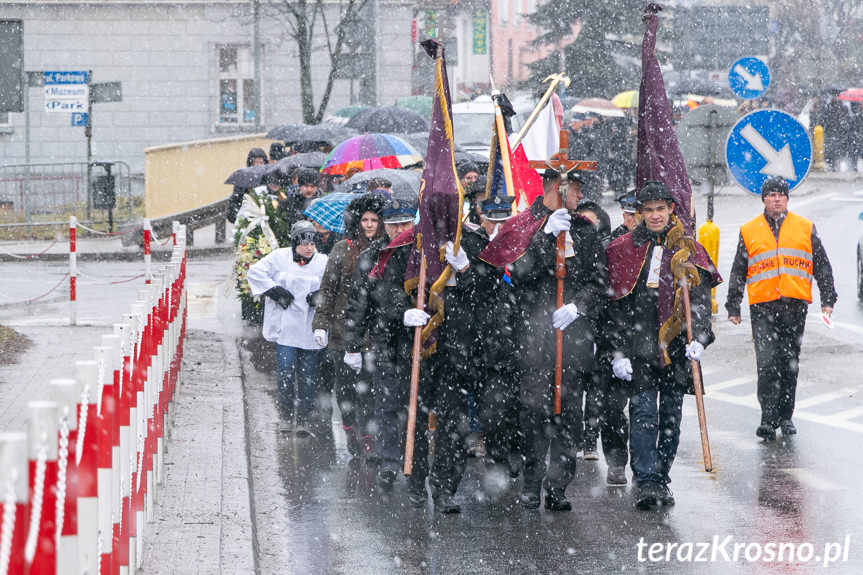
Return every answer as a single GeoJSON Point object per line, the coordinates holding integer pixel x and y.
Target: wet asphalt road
{"type": "Point", "coordinates": [317, 512]}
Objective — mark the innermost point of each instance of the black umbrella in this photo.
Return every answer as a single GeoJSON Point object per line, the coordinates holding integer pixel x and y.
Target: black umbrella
{"type": "Point", "coordinates": [302, 133]}
{"type": "Point", "coordinates": [388, 120]}
{"type": "Point", "coordinates": [420, 141]}
{"type": "Point", "coordinates": [305, 160]}
{"type": "Point", "coordinates": [248, 177]}
{"type": "Point", "coordinates": [406, 183]}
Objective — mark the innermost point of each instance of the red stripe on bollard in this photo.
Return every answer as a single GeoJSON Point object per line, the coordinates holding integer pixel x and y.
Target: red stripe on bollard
{"type": "Point", "coordinates": [40, 549]}
{"type": "Point", "coordinates": [64, 394]}
{"type": "Point", "coordinates": [13, 501]}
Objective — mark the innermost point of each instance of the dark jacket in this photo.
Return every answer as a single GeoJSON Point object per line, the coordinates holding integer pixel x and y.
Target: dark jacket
{"type": "Point", "coordinates": [535, 290]}
{"type": "Point", "coordinates": [330, 312]}
{"type": "Point", "coordinates": [378, 305]}
{"type": "Point", "coordinates": [293, 206]}
{"type": "Point", "coordinates": [235, 202]}
{"type": "Point", "coordinates": [632, 324]}
{"type": "Point", "coordinates": [477, 330]}
{"type": "Point", "coordinates": [821, 268]}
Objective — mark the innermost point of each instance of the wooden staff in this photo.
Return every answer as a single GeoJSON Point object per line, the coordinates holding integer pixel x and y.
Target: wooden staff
{"type": "Point", "coordinates": [415, 373]}
{"type": "Point", "coordinates": [696, 379]}
{"type": "Point", "coordinates": [560, 275]}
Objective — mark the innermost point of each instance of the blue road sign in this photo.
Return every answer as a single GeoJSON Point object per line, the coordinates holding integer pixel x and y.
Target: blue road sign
{"type": "Point", "coordinates": [768, 143]}
{"type": "Point", "coordinates": [73, 77]}
{"type": "Point", "coordinates": [80, 119]}
{"type": "Point", "coordinates": [749, 78]}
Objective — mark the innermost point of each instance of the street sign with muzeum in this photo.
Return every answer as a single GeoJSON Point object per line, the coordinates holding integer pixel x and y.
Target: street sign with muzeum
{"type": "Point", "coordinates": [768, 143]}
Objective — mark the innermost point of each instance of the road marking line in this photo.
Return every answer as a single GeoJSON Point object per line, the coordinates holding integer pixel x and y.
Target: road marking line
{"type": "Point", "coordinates": [817, 400]}
{"type": "Point", "coordinates": [806, 202]}
{"type": "Point", "coordinates": [849, 413]}
{"type": "Point", "coordinates": [730, 383]}
{"type": "Point", "coordinates": [745, 400]}
{"type": "Point", "coordinates": [810, 479]}
{"type": "Point", "coordinates": [828, 420]}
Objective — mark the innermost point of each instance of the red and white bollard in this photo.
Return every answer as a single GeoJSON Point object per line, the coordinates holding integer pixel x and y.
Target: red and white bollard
{"type": "Point", "coordinates": [110, 350]}
{"type": "Point", "coordinates": [13, 502]}
{"type": "Point", "coordinates": [73, 269]}
{"type": "Point", "coordinates": [64, 392]}
{"type": "Point", "coordinates": [40, 549]}
{"type": "Point", "coordinates": [148, 261]}
{"type": "Point", "coordinates": [127, 456]}
{"type": "Point", "coordinates": [175, 227]}
{"type": "Point", "coordinates": [87, 456]}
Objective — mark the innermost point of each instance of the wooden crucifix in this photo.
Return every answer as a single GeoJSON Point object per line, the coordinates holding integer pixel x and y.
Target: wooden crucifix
{"type": "Point", "coordinates": [561, 164]}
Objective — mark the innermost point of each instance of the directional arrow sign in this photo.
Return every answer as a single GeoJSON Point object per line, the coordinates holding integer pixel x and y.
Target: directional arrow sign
{"type": "Point", "coordinates": [768, 143]}
{"type": "Point", "coordinates": [749, 78]}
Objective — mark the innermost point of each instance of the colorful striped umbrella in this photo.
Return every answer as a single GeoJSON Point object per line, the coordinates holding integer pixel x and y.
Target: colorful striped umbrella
{"type": "Point", "coordinates": [369, 152]}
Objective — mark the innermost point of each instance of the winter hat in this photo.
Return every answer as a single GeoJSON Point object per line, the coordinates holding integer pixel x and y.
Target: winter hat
{"type": "Point", "coordinates": [307, 176]}
{"type": "Point", "coordinates": [776, 184]}
{"type": "Point", "coordinates": [255, 153]}
{"type": "Point", "coordinates": [467, 167]}
{"type": "Point", "coordinates": [303, 232]}
{"type": "Point", "coordinates": [277, 151]}
{"type": "Point", "coordinates": [654, 190]}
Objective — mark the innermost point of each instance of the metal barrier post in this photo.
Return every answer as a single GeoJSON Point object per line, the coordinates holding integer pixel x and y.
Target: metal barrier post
{"type": "Point", "coordinates": [73, 268]}
{"type": "Point", "coordinates": [148, 267]}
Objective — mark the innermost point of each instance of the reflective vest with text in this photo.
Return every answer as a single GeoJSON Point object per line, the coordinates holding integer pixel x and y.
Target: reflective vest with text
{"type": "Point", "coordinates": [778, 269]}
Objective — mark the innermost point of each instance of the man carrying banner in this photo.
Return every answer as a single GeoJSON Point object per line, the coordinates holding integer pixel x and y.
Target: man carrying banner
{"type": "Point", "coordinates": [527, 246]}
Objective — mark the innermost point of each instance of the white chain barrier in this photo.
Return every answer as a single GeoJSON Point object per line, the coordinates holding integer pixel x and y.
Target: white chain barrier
{"type": "Point", "coordinates": [8, 523]}
{"type": "Point", "coordinates": [36, 506]}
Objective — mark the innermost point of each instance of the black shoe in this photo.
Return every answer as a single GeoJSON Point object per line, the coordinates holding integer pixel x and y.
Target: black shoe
{"type": "Point", "coordinates": [417, 496]}
{"type": "Point", "coordinates": [555, 500]}
{"type": "Point", "coordinates": [787, 427]}
{"type": "Point", "coordinates": [666, 497]}
{"type": "Point", "coordinates": [445, 503]}
{"type": "Point", "coordinates": [386, 480]}
{"type": "Point", "coordinates": [648, 497]}
{"type": "Point", "coordinates": [530, 497]}
{"type": "Point", "coordinates": [354, 443]}
{"type": "Point", "coordinates": [766, 431]}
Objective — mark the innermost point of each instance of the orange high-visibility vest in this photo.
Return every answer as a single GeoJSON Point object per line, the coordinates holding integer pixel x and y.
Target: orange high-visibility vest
{"type": "Point", "coordinates": [778, 269]}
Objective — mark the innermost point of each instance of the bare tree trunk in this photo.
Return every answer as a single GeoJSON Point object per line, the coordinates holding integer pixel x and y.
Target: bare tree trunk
{"type": "Point", "coordinates": [304, 44]}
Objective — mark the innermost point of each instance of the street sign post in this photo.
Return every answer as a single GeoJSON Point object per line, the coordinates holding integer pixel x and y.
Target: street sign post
{"type": "Point", "coordinates": [80, 119]}
{"type": "Point", "coordinates": [768, 143]}
{"type": "Point", "coordinates": [701, 134]}
{"type": "Point", "coordinates": [66, 92]}
{"type": "Point", "coordinates": [749, 78]}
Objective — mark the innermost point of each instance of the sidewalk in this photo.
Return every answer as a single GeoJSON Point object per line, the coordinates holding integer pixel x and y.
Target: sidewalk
{"type": "Point", "coordinates": [203, 519]}
{"type": "Point", "coordinates": [94, 247]}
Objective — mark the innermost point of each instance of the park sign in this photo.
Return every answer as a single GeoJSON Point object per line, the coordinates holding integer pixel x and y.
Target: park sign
{"type": "Point", "coordinates": [768, 143]}
{"type": "Point", "coordinates": [67, 92]}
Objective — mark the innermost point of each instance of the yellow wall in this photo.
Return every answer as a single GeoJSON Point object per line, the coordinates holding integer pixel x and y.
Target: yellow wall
{"type": "Point", "coordinates": [182, 177]}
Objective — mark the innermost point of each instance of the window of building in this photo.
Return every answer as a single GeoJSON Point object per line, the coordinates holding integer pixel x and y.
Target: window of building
{"type": "Point", "coordinates": [503, 11]}
{"type": "Point", "coordinates": [236, 85]}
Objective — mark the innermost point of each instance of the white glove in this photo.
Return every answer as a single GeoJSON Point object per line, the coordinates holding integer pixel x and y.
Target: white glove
{"type": "Point", "coordinates": [563, 316]}
{"type": "Point", "coordinates": [457, 261]}
{"type": "Point", "coordinates": [622, 368]}
{"type": "Point", "coordinates": [321, 337]}
{"type": "Point", "coordinates": [558, 221]}
{"type": "Point", "coordinates": [416, 317]}
{"type": "Point", "coordinates": [354, 361]}
{"type": "Point", "coordinates": [694, 350]}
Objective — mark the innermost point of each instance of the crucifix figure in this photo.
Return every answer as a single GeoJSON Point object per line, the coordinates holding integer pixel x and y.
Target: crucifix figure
{"type": "Point", "coordinates": [563, 166]}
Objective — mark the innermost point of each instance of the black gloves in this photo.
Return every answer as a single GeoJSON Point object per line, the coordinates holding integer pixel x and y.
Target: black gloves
{"type": "Point", "coordinates": [281, 296]}
{"type": "Point", "coordinates": [314, 298]}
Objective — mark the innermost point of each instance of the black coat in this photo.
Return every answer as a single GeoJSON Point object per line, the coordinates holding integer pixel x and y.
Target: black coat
{"type": "Point", "coordinates": [378, 305]}
{"type": "Point", "coordinates": [477, 330]}
{"type": "Point", "coordinates": [535, 290]}
{"type": "Point", "coordinates": [632, 324]}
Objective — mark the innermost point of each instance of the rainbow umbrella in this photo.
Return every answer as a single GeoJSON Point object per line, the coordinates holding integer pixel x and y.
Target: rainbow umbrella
{"type": "Point", "coordinates": [370, 152]}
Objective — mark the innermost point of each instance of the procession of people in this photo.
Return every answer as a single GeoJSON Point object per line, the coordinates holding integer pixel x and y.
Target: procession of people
{"type": "Point", "coordinates": [542, 326]}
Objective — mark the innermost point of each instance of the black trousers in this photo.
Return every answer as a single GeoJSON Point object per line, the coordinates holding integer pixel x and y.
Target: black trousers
{"type": "Point", "coordinates": [354, 393]}
{"type": "Point", "coordinates": [547, 434]}
{"type": "Point", "coordinates": [495, 393]}
{"type": "Point", "coordinates": [604, 414]}
{"type": "Point", "coordinates": [777, 328]}
{"type": "Point", "coordinates": [392, 392]}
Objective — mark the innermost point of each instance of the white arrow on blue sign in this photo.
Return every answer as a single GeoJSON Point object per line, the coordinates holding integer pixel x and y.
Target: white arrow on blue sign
{"type": "Point", "coordinates": [768, 143]}
{"type": "Point", "coordinates": [749, 78]}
